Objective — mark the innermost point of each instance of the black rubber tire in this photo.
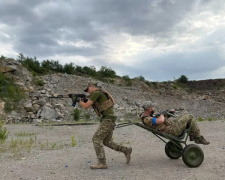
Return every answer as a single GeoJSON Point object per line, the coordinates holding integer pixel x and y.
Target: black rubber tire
{"type": "Point", "coordinates": [173, 151]}
{"type": "Point", "coordinates": [193, 155]}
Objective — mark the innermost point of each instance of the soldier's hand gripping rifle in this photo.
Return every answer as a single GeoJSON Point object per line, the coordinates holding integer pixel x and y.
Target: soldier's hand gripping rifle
{"type": "Point", "coordinates": [75, 97]}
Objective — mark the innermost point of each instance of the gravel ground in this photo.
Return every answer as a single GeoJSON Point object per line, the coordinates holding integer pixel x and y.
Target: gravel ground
{"type": "Point", "coordinates": [53, 157]}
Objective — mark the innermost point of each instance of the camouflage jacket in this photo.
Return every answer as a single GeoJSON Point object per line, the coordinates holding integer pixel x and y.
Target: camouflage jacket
{"type": "Point", "coordinates": [166, 126]}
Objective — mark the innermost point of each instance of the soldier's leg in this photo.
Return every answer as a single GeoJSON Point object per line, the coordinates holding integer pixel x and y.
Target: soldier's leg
{"type": "Point", "coordinates": [111, 144]}
{"type": "Point", "coordinates": [180, 123]}
{"type": "Point", "coordinates": [104, 130]}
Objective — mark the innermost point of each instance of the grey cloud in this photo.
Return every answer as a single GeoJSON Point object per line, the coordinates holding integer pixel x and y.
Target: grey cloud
{"type": "Point", "coordinates": [37, 26]}
{"type": "Point", "coordinates": [141, 17]}
{"type": "Point", "coordinates": [198, 65]}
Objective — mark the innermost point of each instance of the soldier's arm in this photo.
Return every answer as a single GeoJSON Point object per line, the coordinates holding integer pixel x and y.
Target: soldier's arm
{"type": "Point", "coordinates": [159, 120]}
{"type": "Point", "coordinates": [153, 120]}
{"type": "Point", "coordinates": [93, 98]}
{"type": "Point", "coordinates": [86, 105]}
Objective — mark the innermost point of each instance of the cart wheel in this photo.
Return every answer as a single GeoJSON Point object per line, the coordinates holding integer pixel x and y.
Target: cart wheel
{"type": "Point", "coordinates": [173, 151]}
{"type": "Point", "coordinates": [193, 155]}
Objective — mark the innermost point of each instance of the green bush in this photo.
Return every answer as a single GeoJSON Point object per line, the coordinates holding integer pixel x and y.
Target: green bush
{"type": "Point", "coordinates": [107, 72]}
{"type": "Point", "coordinates": [175, 86]}
{"type": "Point", "coordinates": [76, 114]}
{"type": "Point", "coordinates": [3, 133]}
{"type": "Point", "coordinates": [87, 116]}
{"type": "Point", "coordinates": [200, 118]}
{"type": "Point", "coordinates": [183, 79]}
{"type": "Point", "coordinates": [127, 80]}
{"type": "Point", "coordinates": [39, 82]}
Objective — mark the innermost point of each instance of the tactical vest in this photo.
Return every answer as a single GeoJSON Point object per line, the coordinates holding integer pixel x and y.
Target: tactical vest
{"type": "Point", "coordinates": [100, 108]}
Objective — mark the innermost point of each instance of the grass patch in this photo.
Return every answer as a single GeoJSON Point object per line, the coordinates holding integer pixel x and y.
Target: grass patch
{"type": "Point", "coordinates": [73, 141]}
{"type": "Point", "coordinates": [3, 133]}
{"type": "Point", "coordinates": [76, 114]}
{"type": "Point", "coordinates": [25, 134]}
{"type": "Point", "coordinates": [207, 119]}
{"type": "Point", "coordinates": [38, 82]}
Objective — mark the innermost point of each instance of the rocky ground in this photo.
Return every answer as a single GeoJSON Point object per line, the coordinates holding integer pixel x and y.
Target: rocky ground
{"type": "Point", "coordinates": [206, 99]}
{"type": "Point", "coordinates": [46, 153]}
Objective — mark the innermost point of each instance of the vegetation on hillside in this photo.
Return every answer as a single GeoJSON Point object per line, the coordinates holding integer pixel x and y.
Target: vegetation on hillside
{"type": "Point", "coordinates": [10, 93]}
{"type": "Point", "coordinates": [103, 74]}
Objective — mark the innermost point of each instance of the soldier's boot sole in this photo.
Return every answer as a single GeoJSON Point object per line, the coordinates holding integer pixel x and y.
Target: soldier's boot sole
{"type": "Point", "coordinates": [128, 155]}
{"type": "Point", "coordinates": [99, 166]}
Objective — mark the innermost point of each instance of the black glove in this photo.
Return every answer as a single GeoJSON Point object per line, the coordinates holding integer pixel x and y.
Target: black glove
{"type": "Point", "coordinates": [85, 100]}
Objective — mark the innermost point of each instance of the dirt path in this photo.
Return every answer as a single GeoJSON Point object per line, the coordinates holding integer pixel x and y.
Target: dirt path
{"type": "Point", "coordinates": [52, 156]}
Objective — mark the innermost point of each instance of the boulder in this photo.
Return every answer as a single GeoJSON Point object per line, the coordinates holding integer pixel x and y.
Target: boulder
{"type": "Point", "coordinates": [43, 91]}
{"type": "Point", "coordinates": [41, 101]}
{"type": "Point", "coordinates": [36, 107]}
{"type": "Point", "coordinates": [48, 113]}
{"type": "Point", "coordinates": [206, 97]}
{"type": "Point", "coordinates": [28, 107]}
{"type": "Point", "coordinates": [59, 106]}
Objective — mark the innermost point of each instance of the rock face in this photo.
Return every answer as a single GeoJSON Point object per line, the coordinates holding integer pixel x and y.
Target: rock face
{"type": "Point", "coordinates": [203, 101]}
{"type": "Point", "coordinates": [209, 84]}
{"type": "Point", "coordinates": [48, 113]}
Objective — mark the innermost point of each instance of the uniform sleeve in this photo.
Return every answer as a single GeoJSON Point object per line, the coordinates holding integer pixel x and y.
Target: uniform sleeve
{"type": "Point", "coordinates": [148, 121]}
{"type": "Point", "coordinates": [94, 96]}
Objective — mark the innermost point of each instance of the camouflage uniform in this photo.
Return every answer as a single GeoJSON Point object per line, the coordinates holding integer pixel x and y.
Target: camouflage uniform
{"type": "Point", "coordinates": [174, 126]}
{"type": "Point", "coordinates": [179, 124]}
{"type": "Point", "coordinates": [104, 133]}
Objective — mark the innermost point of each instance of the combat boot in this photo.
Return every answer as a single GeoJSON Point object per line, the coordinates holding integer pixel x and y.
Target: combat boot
{"type": "Point", "coordinates": [201, 140]}
{"type": "Point", "coordinates": [192, 138]}
{"type": "Point", "coordinates": [100, 165]}
{"type": "Point", "coordinates": [127, 154]}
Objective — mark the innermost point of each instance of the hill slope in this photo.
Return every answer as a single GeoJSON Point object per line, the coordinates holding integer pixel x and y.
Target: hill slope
{"type": "Point", "coordinates": [204, 99]}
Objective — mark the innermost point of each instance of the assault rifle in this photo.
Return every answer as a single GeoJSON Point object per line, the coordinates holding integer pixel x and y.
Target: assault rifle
{"type": "Point", "coordinates": [75, 97]}
{"type": "Point", "coordinates": [167, 113]}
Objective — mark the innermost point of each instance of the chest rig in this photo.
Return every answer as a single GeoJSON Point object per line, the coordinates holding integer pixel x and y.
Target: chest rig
{"type": "Point", "coordinates": [99, 108]}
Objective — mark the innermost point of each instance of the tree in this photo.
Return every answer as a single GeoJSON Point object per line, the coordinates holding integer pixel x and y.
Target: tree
{"type": "Point", "coordinates": [56, 66]}
{"type": "Point", "coordinates": [79, 69]}
{"type": "Point", "coordinates": [89, 70]}
{"type": "Point", "coordinates": [2, 57]}
{"type": "Point", "coordinates": [183, 79]}
{"type": "Point", "coordinates": [69, 68]}
{"type": "Point", "coordinates": [21, 57]}
{"type": "Point", "coordinates": [140, 78]}
{"type": "Point", "coordinates": [107, 72]}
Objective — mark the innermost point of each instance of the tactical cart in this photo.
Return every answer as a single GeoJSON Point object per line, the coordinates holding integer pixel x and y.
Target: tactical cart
{"type": "Point", "coordinates": [176, 146]}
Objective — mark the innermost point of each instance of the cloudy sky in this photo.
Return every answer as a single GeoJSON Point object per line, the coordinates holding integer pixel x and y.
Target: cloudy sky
{"type": "Point", "coordinates": [158, 39]}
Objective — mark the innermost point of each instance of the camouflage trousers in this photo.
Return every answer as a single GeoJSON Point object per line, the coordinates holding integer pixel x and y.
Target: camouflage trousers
{"type": "Point", "coordinates": [103, 136]}
{"type": "Point", "coordinates": [180, 124]}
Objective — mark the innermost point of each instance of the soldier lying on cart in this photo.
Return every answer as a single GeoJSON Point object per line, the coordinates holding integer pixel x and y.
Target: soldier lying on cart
{"type": "Point", "coordinates": [174, 126]}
